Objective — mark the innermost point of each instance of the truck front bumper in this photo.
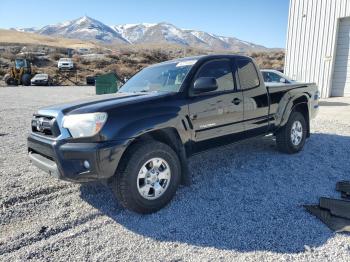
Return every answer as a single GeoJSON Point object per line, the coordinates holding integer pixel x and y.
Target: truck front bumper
{"type": "Point", "coordinates": [76, 162]}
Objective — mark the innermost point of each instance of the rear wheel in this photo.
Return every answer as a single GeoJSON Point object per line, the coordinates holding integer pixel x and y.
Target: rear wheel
{"type": "Point", "coordinates": [291, 138]}
{"type": "Point", "coordinates": [10, 81]}
{"type": "Point", "coordinates": [148, 177]}
{"type": "Point", "coordinates": [26, 79]}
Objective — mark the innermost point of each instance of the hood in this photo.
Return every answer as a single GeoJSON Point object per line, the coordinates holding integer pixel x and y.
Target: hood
{"type": "Point", "coordinates": [65, 62]}
{"type": "Point", "coordinates": [39, 78]}
{"type": "Point", "coordinates": [99, 103]}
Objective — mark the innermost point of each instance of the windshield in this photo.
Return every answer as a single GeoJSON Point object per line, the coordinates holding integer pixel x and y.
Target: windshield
{"type": "Point", "coordinates": [274, 76]}
{"type": "Point", "coordinates": [160, 78]}
{"type": "Point", "coordinates": [20, 63]}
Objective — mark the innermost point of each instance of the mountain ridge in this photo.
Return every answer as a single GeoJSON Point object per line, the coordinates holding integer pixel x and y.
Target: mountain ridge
{"type": "Point", "coordinates": [87, 28]}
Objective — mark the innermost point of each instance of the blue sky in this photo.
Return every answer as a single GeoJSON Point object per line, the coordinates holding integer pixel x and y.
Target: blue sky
{"type": "Point", "coordinates": [259, 21]}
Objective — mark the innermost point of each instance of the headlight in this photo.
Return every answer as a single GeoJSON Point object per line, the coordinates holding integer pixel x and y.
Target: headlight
{"type": "Point", "coordinates": [82, 125]}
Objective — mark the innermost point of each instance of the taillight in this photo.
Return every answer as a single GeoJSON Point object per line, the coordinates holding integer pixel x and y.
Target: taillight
{"type": "Point", "coordinates": [317, 95]}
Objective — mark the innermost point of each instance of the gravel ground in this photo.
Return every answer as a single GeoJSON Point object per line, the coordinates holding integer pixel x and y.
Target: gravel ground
{"type": "Point", "coordinates": [245, 202]}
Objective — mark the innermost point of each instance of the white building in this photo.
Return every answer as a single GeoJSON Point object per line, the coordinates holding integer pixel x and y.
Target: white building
{"type": "Point", "coordinates": [318, 44]}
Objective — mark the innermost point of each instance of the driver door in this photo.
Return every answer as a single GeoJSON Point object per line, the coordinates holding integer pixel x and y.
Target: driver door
{"type": "Point", "coordinates": [217, 113]}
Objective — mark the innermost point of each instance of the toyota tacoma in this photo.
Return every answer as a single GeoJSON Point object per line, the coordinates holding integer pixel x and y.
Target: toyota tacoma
{"type": "Point", "coordinates": [140, 138]}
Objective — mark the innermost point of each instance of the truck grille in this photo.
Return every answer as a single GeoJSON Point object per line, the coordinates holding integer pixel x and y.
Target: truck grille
{"type": "Point", "coordinates": [45, 126]}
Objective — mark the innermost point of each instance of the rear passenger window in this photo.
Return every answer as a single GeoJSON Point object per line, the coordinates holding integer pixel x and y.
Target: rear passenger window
{"type": "Point", "coordinates": [221, 70]}
{"type": "Point", "coordinates": [248, 77]}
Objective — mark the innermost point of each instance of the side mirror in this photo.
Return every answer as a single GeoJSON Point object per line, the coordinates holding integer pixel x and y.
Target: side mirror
{"type": "Point", "coordinates": [283, 80]}
{"type": "Point", "coordinates": [205, 84]}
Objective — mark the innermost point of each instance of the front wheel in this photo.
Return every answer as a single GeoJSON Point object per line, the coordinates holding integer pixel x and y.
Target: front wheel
{"type": "Point", "coordinates": [291, 138]}
{"type": "Point", "coordinates": [26, 79]}
{"type": "Point", "coordinates": [147, 178]}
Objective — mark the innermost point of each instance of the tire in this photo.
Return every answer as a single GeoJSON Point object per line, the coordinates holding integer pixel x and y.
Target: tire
{"type": "Point", "coordinates": [6, 78]}
{"type": "Point", "coordinates": [286, 141]}
{"type": "Point", "coordinates": [128, 186]}
{"type": "Point", "coordinates": [11, 81]}
{"type": "Point", "coordinates": [26, 80]}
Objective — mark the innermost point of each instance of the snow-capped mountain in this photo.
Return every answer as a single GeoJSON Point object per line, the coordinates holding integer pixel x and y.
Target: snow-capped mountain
{"type": "Point", "coordinates": [168, 33]}
{"type": "Point", "coordinates": [84, 28]}
{"type": "Point", "coordinates": [25, 29]}
{"type": "Point", "coordinates": [133, 32]}
{"type": "Point", "coordinates": [87, 28]}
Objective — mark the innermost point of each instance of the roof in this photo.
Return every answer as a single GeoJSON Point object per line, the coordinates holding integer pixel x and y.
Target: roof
{"type": "Point", "coordinates": [201, 57]}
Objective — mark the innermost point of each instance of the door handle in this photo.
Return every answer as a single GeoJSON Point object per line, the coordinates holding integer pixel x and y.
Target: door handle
{"type": "Point", "coordinates": [236, 101]}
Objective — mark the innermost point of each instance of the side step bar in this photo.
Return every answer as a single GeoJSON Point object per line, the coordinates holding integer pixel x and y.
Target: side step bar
{"type": "Point", "coordinates": [335, 213]}
{"type": "Point", "coordinates": [340, 208]}
{"type": "Point", "coordinates": [337, 224]}
{"type": "Point", "coordinates": [344, 188]}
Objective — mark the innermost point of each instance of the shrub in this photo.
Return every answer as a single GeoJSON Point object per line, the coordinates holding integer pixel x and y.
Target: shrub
{"type": "Point", "coordinates": [2, 72]}
{"type": "Point", "coordinates": [56, 56]}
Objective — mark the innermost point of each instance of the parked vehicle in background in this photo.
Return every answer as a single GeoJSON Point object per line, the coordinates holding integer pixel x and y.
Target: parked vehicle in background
{"type": "Point", "coordinates": [41, 80]}
{"type": "Point", "coordinates": [274, 76]}
{"type": "Point", "coordinates": [91, 80]}
{"type": "Point", "coordinates": [140, 138]}
{"type": "Point", "coordinates": [65, 64]}
{"type": "Point", "coordinates": [20, 73]}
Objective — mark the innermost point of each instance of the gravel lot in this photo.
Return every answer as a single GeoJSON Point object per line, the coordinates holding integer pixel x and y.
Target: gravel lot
{"type": "Point", "coordinates": [245, 202]}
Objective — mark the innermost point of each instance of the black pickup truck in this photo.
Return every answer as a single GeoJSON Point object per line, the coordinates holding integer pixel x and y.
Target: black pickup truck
{"type": "Point", "coordinates": [140, 138]}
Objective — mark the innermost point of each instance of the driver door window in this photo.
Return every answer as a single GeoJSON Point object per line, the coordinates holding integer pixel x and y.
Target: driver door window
{"type": "Point", "coordinates": [221, 71]}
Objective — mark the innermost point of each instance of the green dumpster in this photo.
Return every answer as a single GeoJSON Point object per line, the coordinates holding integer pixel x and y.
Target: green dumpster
{"type": "Point", "coordinates": [106, 84]}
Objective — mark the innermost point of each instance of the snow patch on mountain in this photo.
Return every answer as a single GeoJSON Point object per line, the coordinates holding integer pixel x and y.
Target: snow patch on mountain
{"type": "Point", "coordinates": [85, 28]}
{"type": "Point", "coordinates": [25, 29]}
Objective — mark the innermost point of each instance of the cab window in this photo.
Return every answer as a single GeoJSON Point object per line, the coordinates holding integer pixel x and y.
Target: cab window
{"type": "Point", "coordinates": [221, 71]}
{"type": "Point", "coordinates": [248, 76]}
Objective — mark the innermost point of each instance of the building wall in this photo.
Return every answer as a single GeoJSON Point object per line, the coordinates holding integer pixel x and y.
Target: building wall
{"type": "Point", "coordinates": [311, 40]}
{"type": "Point", "coordinates": [341, 71]}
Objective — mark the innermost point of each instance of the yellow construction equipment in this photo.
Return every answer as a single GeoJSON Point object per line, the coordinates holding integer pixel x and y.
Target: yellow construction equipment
{"type": "Point", "coordinates": [20, 74]}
